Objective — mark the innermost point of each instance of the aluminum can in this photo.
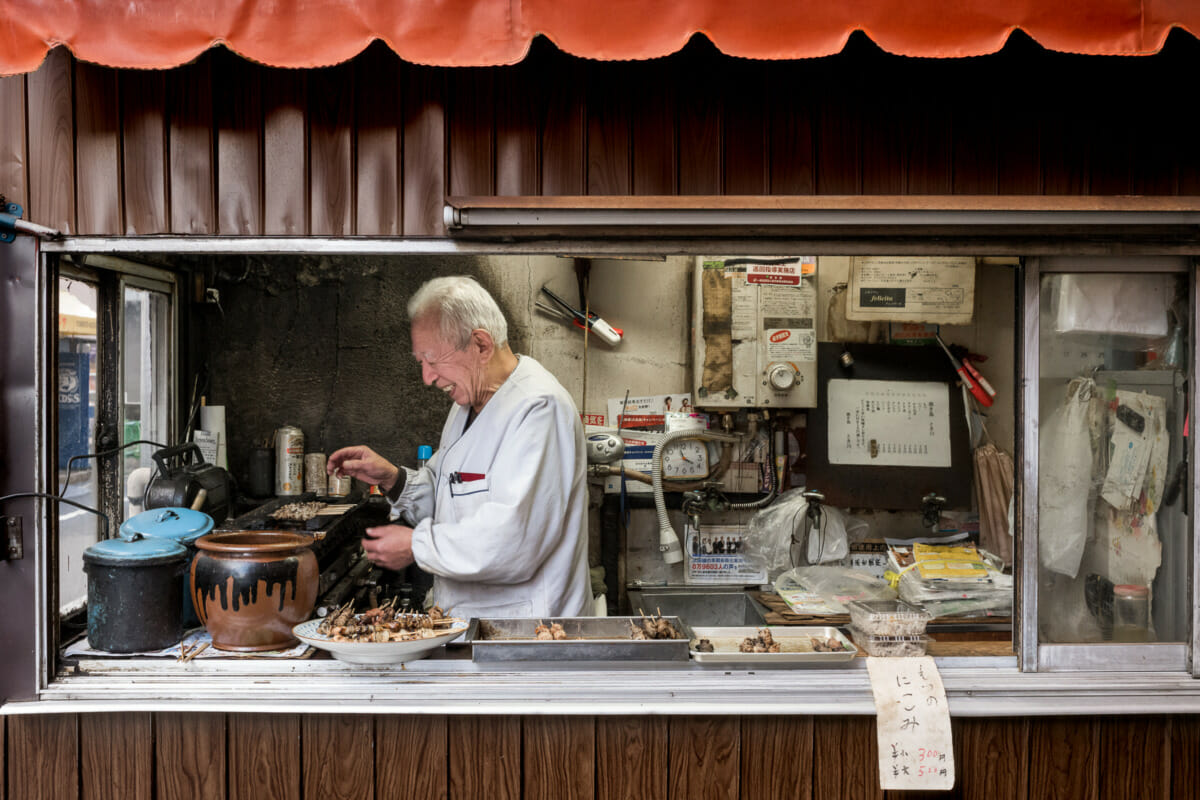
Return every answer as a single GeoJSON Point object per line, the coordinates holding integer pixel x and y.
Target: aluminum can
{"type": "Point", "coordinates": [289, 461]}
{"type": "Point", "coordinates": [314, 473]}
{"type": "Point", "coordinates": [339, 486]}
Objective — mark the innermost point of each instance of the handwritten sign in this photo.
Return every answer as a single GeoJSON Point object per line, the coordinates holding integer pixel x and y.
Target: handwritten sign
{"type": "Point", "coordinates": [916, 750]}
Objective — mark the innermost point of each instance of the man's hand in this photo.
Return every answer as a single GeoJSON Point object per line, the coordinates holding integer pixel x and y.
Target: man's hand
{"type": "Point", "coordinates": [389, 546]}
{"type": "Point", "coordinates": [365, 464]}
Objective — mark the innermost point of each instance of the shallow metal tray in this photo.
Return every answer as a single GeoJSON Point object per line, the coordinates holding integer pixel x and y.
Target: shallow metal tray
{"type": "Point", "coordinates": [795, 643]}
{"type": "Point", "coordinates": [591, 639]}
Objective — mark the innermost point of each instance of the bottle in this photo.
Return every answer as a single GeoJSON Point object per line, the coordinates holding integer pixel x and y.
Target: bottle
{"type": "Point", "coordinates": [424, 453]}
{"type": "Point", "coordinates": [1131, 613]}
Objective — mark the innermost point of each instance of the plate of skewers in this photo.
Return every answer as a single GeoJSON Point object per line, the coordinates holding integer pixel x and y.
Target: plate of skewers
{"type": "Point", "coordinates": [380, 635]}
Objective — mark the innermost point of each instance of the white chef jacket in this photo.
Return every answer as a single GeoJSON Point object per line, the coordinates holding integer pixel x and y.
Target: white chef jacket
{"type": "Point", "coordinates": [499, 513]}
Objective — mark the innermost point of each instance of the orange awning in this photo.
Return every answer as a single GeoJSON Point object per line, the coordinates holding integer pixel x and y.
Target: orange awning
{"type": "Point", "coordinates": [312, 33]}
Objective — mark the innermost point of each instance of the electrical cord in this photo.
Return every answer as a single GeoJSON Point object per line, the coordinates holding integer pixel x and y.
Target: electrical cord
{"type": "Point", "coordinates": [71, 461]}
{"type": "Point", "coordinates": [56, 498]}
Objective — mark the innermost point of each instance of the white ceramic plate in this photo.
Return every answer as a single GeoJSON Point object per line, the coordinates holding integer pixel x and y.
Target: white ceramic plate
{"type": "Point", "coordinates": [374, 652]}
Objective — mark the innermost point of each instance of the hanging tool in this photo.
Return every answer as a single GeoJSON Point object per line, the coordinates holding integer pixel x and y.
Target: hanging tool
{"type": "Point", "coordinates": [593, 322]}
{"type": "Point", "coordinates": [979, 388]}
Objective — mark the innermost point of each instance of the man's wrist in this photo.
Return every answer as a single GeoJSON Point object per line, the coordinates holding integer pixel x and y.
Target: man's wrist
{"type": "Point", "coordinates": [394, 491]}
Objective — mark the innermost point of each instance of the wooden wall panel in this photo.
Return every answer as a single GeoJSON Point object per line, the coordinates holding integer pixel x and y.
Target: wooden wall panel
{"type": "Point", "coordinates": [929, 133]}
{"type": "Point", "coordinates": [631, 758]}
{"type": "Point", "coordinates": [991, 758]}
{"type": "Point", "coordinates": [562, 127]}
{"type": "Point", "coordinates": [518, 160]}
{"type": "Point", "coordinates": [424, 151]}
{"type": "Point", "coordinates": [699, 119]}
{"type": "Point", "coordinates": [1185, 757]}
{"type": "Point", "coordinates": [331, 123]}
{"type": "Point", "coordinates": [655, 161]}
{"type": "Point", "coordinates": [338, 757]}
{"type": "Point", "coordinates": [838, 128]}
{"type": "Point", "coordinates": [379, 112]}
{"type": "Point", "coordinates": [776, 758]}
{"type": "Point", "coordinates": [189, 756]}
{"type": "Point", "coordinates": [285, 152]}
{"type": "Point", "coordinates": [51, 123]}
{"type": "Point", "coordinates": [793, 103]}
{"type": "Point", "coordinates": [1062, 759]}
{"type": "Point", "coordinates": [114, 756]}
{"type": "Point", "coordinates": [1063, 136]}
{"type": "Point", "coordinates": [705, 759]}
{"type": "Point", "coordinates": [879, 101]}
{"type": "Point", "coordinates": [43, 757]}
{"type": "Point", "coordinates": [484, 755]}
{"type": "Point", "coordinates": [144, 151]}
{"type": "Point", "coordinates": [975, 127]}
{"type": "Point", "coordinates": [745, 142]}
{"type": "Point", "coordinates": [609, 168]}
{"type": "Point", "coordinates": [1134, 758]}
{"type": "Point", "coordinates": [237, 99]}
{"type": "Point", "coordinates": [192, 176]}
{"type": "Point", "coordinates": [401, 742]}
{"type": "Point", "coordinates": [845, 758]}
{"type": "Point", "coordinates": [470, 102]}
{"type": "Point", "coordinates": [14, 156]}
{"type": "Point", "coordinates": [97, 150]}
{"type": "Point", "coordinates": [264, 757]}
{"type": "Point", "coordinates": [559, 758]}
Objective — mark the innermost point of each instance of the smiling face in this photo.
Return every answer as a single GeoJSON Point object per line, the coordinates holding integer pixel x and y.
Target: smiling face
{"type": "Point", "coordinates": [459, 372]}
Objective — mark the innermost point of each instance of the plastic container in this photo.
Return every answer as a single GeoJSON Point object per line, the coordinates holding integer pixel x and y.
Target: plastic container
{"type": "Point", "coordinates": [890, 646]}
{"type": "Point", "coordinates": [134, 594]}
{"type": "Point", "coordinates": [887, 618]}
{"type": "Point", "coordinates": [182, 525]}
{"type": "Point", "coordinates": [1131, 614]}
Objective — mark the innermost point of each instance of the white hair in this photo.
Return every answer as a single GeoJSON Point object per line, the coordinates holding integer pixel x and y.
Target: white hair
{"type": "Point", "coordinates": [461, 306]}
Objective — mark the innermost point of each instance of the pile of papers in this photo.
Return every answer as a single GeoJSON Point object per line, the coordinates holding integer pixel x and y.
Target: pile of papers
{"type": "Point", "coordinates": [953, 579]}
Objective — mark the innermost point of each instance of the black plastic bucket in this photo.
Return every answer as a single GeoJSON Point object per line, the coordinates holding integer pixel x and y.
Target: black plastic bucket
{"type": "Point", "coordinates": [134, 594]}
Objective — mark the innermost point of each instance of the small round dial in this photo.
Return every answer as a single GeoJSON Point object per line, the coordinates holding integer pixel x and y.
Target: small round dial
{"type": "Point", "coordinates": [781, 377]}
{"type": "Point", "coordinates": [685, 458]}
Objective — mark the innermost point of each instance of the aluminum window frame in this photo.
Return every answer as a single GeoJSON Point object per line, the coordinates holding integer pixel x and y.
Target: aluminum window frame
{"type": "Point", "coordinates": [160, 694]}
{"type": "Point", "coordinates": [1034, 655]}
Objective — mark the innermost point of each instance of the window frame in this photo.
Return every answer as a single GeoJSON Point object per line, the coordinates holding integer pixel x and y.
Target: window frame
{"type": "Point", "coordinates": [1026, 323]}
{"type": "Point", "coordinates": [1033, 654]}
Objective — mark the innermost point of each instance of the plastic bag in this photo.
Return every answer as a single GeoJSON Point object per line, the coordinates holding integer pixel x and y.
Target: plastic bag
{"type": "Point", "coordinates": [773, 531]}
{"type": "Point", "coordinates": [1065, 478]}
{"type": "Point", "coordinates": [835, 586]}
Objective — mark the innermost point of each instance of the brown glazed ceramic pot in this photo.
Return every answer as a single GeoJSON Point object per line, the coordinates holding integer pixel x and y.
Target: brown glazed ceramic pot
{"type": "Point", "coordinates": [251, 587]}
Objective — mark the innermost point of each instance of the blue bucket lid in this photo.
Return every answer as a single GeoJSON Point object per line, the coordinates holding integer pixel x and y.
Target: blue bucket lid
{"type": "Point", "coordinates": [180, 524]}
{"type": "Point", "coordinates": [139, 552]}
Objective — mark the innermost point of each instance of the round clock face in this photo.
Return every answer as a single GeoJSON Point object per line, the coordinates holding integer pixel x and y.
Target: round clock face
{"type": "Point", "coordinates": [685, 458]}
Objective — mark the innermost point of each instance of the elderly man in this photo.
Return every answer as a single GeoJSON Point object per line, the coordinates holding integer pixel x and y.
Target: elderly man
{"type": "Point", "coordinates": [498, 515]}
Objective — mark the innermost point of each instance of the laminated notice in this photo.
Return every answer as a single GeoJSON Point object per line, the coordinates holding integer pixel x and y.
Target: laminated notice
{"type": "Point", "coordinates": [912, 724]}
{"type": "Point", "coordinates": [937, 289]}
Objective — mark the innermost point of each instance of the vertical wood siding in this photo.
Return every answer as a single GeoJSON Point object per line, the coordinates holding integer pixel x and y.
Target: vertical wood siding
{"type": "Point", "coordinates": [180, 756]}
{"type": "Point", "coordinates": [372, 147]}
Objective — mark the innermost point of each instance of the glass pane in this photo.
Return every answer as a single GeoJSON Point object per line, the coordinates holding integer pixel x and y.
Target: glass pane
{"type": "Point", "coordinates": [77, 303]}
{"type": "Point", "coordinates": [146, 379]}
{"type": "Point", "coordinates": [1113, 530]}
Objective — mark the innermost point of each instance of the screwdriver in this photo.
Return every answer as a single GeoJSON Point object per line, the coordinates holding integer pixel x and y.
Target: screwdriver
{"type": "Point", "coordinates": [975, 386]}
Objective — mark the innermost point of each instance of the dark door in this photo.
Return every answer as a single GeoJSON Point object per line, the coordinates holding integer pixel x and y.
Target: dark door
{"type": "Point", "coordinates": [19, 300]}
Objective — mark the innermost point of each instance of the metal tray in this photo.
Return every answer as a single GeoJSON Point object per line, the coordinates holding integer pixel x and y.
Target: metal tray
{"type": "Point", "coordinates": [591, 639]}
{"type": "Point", "coordinates": [795, 642]}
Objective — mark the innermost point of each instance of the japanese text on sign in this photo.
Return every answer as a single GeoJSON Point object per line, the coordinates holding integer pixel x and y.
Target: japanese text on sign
{"type": "Point", "coordinates": [916, 750]}
{"type": "Point", "coordinates": [889, 423]}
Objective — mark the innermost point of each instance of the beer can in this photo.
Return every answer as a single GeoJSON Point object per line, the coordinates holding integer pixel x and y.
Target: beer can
{"type": "Point", "coordinates": [314, 473]}
{"type": "Point", "coordinates": [339, 486]}
{"type": "Point", "coordinates": [289, 461]}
